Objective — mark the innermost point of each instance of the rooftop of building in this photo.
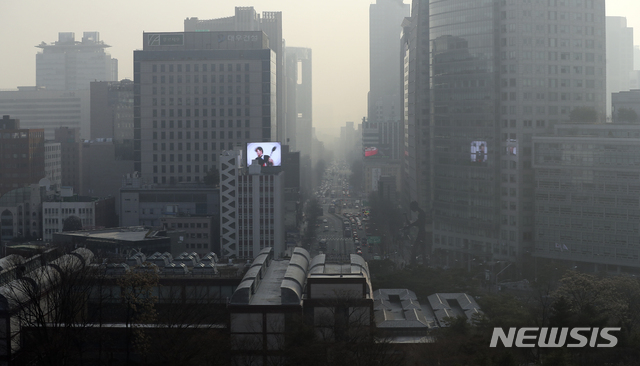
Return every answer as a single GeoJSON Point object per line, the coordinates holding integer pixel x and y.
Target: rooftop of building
{"type": "Point", "coordinates": [400, 308]}
{"type": "Point", "coordinates": [453, 305]}
{"type": "Point", "coordinates": [132, 233]}
{"type": "Point", "coordinates": [272, 281]}
{"type": "Point", "coordinates": [74, 198]}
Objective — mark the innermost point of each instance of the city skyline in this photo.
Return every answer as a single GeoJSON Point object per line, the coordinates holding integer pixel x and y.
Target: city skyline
{"type": "Point", "coordinates": [341, 58]}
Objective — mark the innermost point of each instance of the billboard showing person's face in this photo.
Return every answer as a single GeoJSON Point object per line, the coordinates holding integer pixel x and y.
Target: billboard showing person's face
{"type": "Point", "coordinates": [479, 151]}
{"type": "Point", "coordinates": [267, 153]}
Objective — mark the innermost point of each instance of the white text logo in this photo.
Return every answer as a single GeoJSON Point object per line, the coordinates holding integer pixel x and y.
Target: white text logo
{"type": "Point", "coordinates": [554, 337]}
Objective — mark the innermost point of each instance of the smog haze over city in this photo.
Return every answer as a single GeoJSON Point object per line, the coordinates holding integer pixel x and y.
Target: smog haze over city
{"type": "Point", "coordinates": [278, 186]}
{"type": "Point", "coordinates": [336, 30]}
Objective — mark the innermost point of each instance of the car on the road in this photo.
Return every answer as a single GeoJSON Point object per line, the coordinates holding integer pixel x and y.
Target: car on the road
{"type": "Point", "coordinates": [326, 228]}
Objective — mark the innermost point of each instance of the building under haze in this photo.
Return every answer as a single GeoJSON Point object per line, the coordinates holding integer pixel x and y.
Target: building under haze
{"type": "Point", "coordinates": [198, 94]}
{"type": "Point", "coordinates": [587, 196]}
{"type": "Point", "coordinates": [71, 65]}
{"type": "Point", "coordinates": [48, 109]}
{"type": "Point", "coordinates": [619, 57]}
{"type": "Point", "coordinates": [53, 164]}
{"type": "Point", "coordinates": [299, 99]}
{"type": "Point", "coordinates": [494, 74]}
{"type": "Point", "coordinates": [71, 157]}
{"type": "Point", "coordinates": [416, 164]}
{"type": "Point", "coordinates": [385, 70]}
{"type": "Point", "coordinates": [247, 19]}
{"type": "Point", "coordinates": [112, 112]}
{"type": "Point", "coordinates": [252, 212]}
{"type": "Point", "coordinates": [22, 155]}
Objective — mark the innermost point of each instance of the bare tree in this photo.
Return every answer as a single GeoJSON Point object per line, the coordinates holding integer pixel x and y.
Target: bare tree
{"type": "Point", "coordinates": [138, 298]}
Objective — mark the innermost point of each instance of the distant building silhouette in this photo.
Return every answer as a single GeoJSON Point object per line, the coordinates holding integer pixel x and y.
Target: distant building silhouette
{"type": "Point", "coordinates": [71, 65]}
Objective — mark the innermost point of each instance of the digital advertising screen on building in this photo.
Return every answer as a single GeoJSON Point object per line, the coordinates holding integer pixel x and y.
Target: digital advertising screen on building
{"type": "Point", "coordinates": [267, 153]}
{"type": "Point", "coordinates": [478, 151]}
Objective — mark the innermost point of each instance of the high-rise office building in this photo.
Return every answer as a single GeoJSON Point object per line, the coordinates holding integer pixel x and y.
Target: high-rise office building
{"type": "Point", "coordinates": [247, 19]}
{"type": "Point", "coordinates": [385, 67]}
{"type": "Point", "coordinates": [299, 99]}
{"type": "Point", "coordinates": [499, 72]}
{"type": "Point", "coordinates": [21, 155]}
{"type": "Point", "coordinates": [300, 111]}
{"type": "Point", "coordinates": [197, 94]}
{"type": "Point", "coordinates": [71, 65]}
{"type": "Point", "coordinates": [619, 57]}
{"type": "Point", "coordinates": [416, 165]}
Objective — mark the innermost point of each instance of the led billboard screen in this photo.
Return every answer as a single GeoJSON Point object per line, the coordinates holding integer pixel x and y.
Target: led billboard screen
{"type": "Point", "coordinates": [267, 153]}
{"type": "Point", "coordinates": [479, 151]}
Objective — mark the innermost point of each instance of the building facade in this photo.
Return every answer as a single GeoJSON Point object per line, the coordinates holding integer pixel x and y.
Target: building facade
{"type": "Point", "coordinates": [299, 73]}
{"type": "Point", "coordinates": [587, 196]}
{"type": "Point", "coordinates": [252, 215]}
{"type": "Point", "coordinates": [112, 114]}
{"type": "Point", "coordinates": [385, 102]}
{"type": "Point", "coordinates": [146, 205]}
{"type": "Point", "coordinates": [187, 112]}
{"type": "Point", "coordinates": [499, 73]}
{"type": "Point", "coordinates": [48, 109]}
{"type": "Point", "coordinates": [71, 159]}
{"type": "Point", "coordinates": [623, 106]}
{"type": "Point", "coordinates": [71, 65]}
{"type": "Point", "coordinates": [199, 232]}
{"type": "Point", "coordinates": [91, 212]}
{"type": "Point", "coordinates": [619, 57]}
{"type": "Point", "coordinates": [53, 165]}
{"type": "Point", "coordinates": [21, 213]}
{"type": "Point", "coordinates": [22, 155]}
{"type": "Point", "coordinates": [247, 19]}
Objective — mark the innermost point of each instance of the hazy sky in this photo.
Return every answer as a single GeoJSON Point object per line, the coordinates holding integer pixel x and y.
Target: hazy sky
{"type": "Point", "coordinates": [336, 30]}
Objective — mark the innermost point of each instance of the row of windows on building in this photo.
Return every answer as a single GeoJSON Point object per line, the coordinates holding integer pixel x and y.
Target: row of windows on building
{"type": "Point", "coordinates": [180, 179]}
{"type": "Point", "coordinates": [196, 147]}
{"type": "Point", "coordinates": [196, 135]}
{"type": "Point", "coordinates": [196, 101]}
{"type": "Point", "coordinates": [202, 89]}
{"type": "Point", "coordinates": [545, 28]}
{"type": "Point", "coordinates": [530, 97]}
{"type": "Point", "coordinates": [213, 67]}
{"type": "Point", "coordinates": [179, 169]}
{"type": "Point", "coordinates": [57, 221]}
{"type": "Point", "coordinates": [186, 225]}
{"type": "Point", "coordinates": [221, 112]}
{"type": "Point", "coordinates": [196, 124]}
{"type": "Point", "coordinates": [68, 211]}
{"type": "Point", "coordinates": [542, 110]}
{"type": "Point", "coordinates": [548, 83]}
{"type": "Point", "coordinates": [196, 79]}
{"type": "Point", "coordinates": [197, 246]}
{"type": "Point", "coordinates": [573, 4]}
{"type": "Point", "coordinates": [479, 247]}
{"type": "Point", "coordinates": [16, 135]}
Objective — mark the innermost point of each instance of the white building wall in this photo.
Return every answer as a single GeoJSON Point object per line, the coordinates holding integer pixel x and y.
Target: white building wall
{"type": "Point", "coordinates": [54, 214]}
{"type": "Point", "coordinates": [230, 165]}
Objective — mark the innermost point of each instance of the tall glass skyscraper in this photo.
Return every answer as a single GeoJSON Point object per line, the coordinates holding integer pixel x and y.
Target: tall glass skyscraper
{"type": "Point", "coordinates": [500, 71]}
